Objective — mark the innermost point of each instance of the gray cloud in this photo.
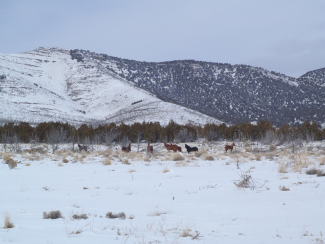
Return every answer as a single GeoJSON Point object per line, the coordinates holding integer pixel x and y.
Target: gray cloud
{"type": "Point", "coordinates": [284, 36]}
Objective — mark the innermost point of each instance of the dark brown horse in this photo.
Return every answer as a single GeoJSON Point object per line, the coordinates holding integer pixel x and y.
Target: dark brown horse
{"type": "Point", "coordinates": [227, 147]}
{"type": "Point", "coordinates": [149, 148]}
{"type": "Point", "coordinates": [127, 149]}
{"type": "Point", "coordinates": [82, 148]}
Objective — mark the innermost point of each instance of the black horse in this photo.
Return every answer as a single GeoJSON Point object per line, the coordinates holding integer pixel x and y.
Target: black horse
{"type": "Point", "coordinates": [191, 149]}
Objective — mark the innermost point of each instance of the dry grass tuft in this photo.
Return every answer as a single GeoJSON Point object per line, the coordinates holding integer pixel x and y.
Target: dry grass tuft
{"type": "Point", "coordinates": [181, 164]}
{"type": "Point", "coordinates": [322, 161]}
{"type": "Point", "coordinates": [120, 215]}
{"type": "Point", "coordinates": [186, 233]}
{"type": "Point", "coordinates": [60, 164]}
{"type": "Point", "coordinates": [132, 170]}
{"type": "Point", "coordinates": [199, 153]}
{"type": "Point", "coordinates": [107, 162]}
{"type": "Point", "coordinates": [52, 215]}
{"type": "Point", "coordinates": [28, 164]}
{"type": "Point", "coordinates": [282, 168]}
{"type": "Point", "coordinates": [177, 157]}
{"type": "Point", "coordinates": [283, 188]}
{"type": "Point", "coordinates": [248, 149]}
{"type": "Point", "coordinates": [166, 170]}
{"type": "Point", "coordinates": [247, 144]}
{"type": "Point", "coordinates": [208, 158]}
{"type": "Point", "coordinates": [65, 160]}
{"type": "Point", "coordinates": [125, 161]}
{"type": "Point", "coordinates": [156, 213]}
{"type": "Point", "coordinates": [11, 163]}
{"type": "Point", "coordinates": [8, 223]}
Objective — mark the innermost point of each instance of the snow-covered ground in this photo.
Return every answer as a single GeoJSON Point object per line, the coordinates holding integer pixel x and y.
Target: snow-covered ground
{"type": "Point", "coordinates": [193, 200]}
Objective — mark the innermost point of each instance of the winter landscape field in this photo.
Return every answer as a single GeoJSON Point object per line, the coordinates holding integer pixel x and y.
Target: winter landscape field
{"type": "Point", "coordinates": [255, 194]}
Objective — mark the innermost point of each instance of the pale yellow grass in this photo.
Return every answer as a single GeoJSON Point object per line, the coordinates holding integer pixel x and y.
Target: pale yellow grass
{"type": "Point", "coordinates": [60, 164]}
{"type": "Point", "coordinates": [28, 164]}
{"type": "Point", "coordinates": [181, 164]}
{"type": "Point", "coordinates": [166, 170]}
{"type": "Point", "coordinates": [8, 223]}
{"type": "Point", "coordinates": [177, 157]}
{"type": "Point", "coordinates": [132, 170]}
{"type": "Point", "coordinates": [282, 168]}
{"type": "Point", "coordinates": [321, 160]}
{"type": "Point", "coordinates": [107, 162]}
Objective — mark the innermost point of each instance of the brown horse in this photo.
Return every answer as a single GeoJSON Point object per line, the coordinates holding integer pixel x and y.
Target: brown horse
{"type": "Point", "coordinates": [149, 148]}
{"type": "Point", "coordinates": [227, 147]}
{"type": "Point", "coordinates": [82, 148]}
{"type": "Point", "coordinates": [171, 147]}
{"type": "Point", "coordinates": [127, 149]}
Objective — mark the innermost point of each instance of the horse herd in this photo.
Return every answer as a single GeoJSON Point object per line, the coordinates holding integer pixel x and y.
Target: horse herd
{"type": "Point", "coordinates": [175, 148]}
{"type": "Point", "coordinates": [169, 147]}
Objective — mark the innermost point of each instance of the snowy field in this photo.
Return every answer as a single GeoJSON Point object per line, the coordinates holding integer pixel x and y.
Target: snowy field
{"type": "Point", "coordinates": [167, 197]}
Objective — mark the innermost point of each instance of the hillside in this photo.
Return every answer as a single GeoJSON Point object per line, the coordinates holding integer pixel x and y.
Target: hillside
{"type": "Point", "coordinates": [46, 84]}
{"type": "Point", "coordinates": [82, 86]}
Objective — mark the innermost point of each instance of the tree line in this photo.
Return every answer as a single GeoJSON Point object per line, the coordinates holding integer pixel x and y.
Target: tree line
{"type": "Point", "coordinates": [48, 132]}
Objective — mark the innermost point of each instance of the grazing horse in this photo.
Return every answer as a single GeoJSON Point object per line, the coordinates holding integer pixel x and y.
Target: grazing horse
{"type": "Point", "coordinates": [227, 147]}
{"type": "Point", "coordinates": [127, 149]}
{"type": "Point", "coordinates": [171, 147]}
{"type": "Point", "coordinates": [179, 149]}
{"type": "Point", "coordinates": [149, 148]}
{"type": "Point", "coordinates": [191, 149]}
{"type": "Point", "coordinates": [82, 148]}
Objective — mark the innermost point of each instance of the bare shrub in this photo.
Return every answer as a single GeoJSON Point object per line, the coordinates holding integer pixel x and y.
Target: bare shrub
{"type": "Point", "coordinates": [209, 158]}
{"type": "Point", "coordinates": [79, 216]}
{"type": "Point", "coordinates": [320, 173]}
{"type": "Point", "coordinates": [282, 168]}
{"type": "Point", "coordinates": [52, 215]}
{"type": "Point", "coordinates": [8, 223]}
{"type": "Point", "coordinates": [107, 162]}
{"type": "Point", "coordinates": [120, 215]}
{"type": "Point", "coordinates": [177, 157]}
{"type": "Point", "coordinates": [283, 188]}
{"type": "Point", "coordinates": [65, 160]}
{"type": "Point", "coordinates": [246, 181]}
{"type": "Point", "coordinates": [166, 170]}
{"type": "Point", "coordinates": [312, 171]}
{"type": "Point", "coordinates": [11, 163]}
{"type": "Point", "coordinates": [272, 148]}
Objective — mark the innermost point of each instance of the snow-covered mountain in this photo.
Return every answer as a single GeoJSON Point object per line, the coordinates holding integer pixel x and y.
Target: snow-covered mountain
{"type": "Point", "coordinates": [47, 84]}
{"type": "Point", "coordinates": [82, 86]}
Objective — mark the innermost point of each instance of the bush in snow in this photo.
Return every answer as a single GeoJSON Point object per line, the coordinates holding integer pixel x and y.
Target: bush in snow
{"type": "Point", "coordinates": [312, 171]}
{"type": "Point", "coordinates": [52, 215]}
{"type": "Point", "coordinates": [120, 215]}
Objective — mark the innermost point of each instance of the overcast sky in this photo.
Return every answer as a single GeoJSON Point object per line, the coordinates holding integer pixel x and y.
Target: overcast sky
{"type": "Point", "coordinates": [287, 36]}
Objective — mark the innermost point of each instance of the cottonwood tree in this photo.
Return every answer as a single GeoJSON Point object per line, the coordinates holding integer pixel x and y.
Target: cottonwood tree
{"type": "Point", "coordinates": [110, 136]}
{"type": "Point", "coordinates": [56, 137]}
{"type": "Point", "coordinates": [184, 136]}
